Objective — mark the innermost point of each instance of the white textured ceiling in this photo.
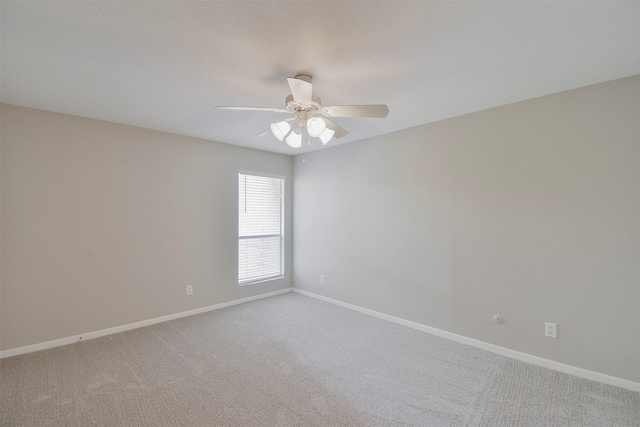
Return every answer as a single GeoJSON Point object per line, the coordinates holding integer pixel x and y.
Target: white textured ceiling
{"type": "Point", "coordinates": [166, 65]}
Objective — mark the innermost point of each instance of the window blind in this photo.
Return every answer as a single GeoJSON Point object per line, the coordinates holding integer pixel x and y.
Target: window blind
{"type": "Point", "coordinates": [260, 228]}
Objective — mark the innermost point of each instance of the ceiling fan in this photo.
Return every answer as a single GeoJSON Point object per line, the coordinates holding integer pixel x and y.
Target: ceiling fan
{"type": "Point", "coordinates": [309, 113]}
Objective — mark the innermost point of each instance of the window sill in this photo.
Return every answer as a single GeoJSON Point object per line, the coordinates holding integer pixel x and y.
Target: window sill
{"type": "Point", "coordinates": [270, 279]}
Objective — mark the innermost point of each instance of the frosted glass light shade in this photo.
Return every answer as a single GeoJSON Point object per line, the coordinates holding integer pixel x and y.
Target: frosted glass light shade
{"type": "Point", "coordinates": [326, 135]}
{"type": "Point", "coordinates": [315, 126]}
{"type": "Point", "coordinates": [294, 139]}
{"type": "Point", "coordinates": [280, 129]}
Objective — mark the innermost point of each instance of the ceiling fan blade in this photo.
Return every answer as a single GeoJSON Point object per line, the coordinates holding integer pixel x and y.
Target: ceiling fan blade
{"type": "Point", "coordinates": [339, 131]}
{"type": "Point", "coordinates": [274, 110]}
{"type": "Point", "coordinates": [301, 91]}
{"type": "Point", "coordinates": [378, 111]}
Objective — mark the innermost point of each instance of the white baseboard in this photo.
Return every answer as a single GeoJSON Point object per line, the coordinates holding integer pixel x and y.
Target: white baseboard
{"type": "Point", "coordinates": [83, 337]}
{"type": "Point", "coordinates": [513, 354]}
{"type": "Point", "coordinates": [524, 357]}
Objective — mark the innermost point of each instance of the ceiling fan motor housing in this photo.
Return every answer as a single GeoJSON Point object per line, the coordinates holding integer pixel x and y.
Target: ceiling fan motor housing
{"type": "Point", "coordinates": [295, 107]}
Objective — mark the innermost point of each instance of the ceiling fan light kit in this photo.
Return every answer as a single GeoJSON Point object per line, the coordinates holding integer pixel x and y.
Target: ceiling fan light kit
{"type": "Point", "coordinates": [280, 129]}
{"type": "Point", "coordinates": [294, 139]}
{"type": "Point", "coordinates": [326, 136]}
{"type": "Point", "coordinates": [315, 126]}
{"type": "Point", "coordinates": [310, 114]}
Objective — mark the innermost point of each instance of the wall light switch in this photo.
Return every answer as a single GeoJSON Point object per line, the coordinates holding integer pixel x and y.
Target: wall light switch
{"type": "Point", "coordinates": [550, 330]}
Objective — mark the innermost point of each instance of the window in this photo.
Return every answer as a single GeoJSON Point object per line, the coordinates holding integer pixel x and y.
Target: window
{"type": "Point", "coordinates": [260, 228]}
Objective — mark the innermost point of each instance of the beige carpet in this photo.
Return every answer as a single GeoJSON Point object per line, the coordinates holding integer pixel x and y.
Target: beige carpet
{"type": "Point", "coordinates": [291, 360]}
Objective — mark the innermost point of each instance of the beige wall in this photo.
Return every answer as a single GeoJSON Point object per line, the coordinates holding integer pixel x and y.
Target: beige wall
{"type": "Point", "coordinates": [531, 211]}
{"type": "Point", "coordinates": [104, 224]}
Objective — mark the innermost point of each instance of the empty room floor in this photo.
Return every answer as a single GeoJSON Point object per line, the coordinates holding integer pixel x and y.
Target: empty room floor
{"type": "Point", "coordinates": [292, 360]}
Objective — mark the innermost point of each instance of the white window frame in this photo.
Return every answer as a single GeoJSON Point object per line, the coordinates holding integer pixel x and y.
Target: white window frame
{"type": "Point", "coordinates": [275, 269]}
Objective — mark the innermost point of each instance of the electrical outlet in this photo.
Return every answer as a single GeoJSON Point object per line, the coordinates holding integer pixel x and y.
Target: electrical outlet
{"type": "Point", "coordinates": [550, 330]}
{"type": "Point", "coordinates": [322, 278]}
{"type": "Point", "coordinates": [189, 289]}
